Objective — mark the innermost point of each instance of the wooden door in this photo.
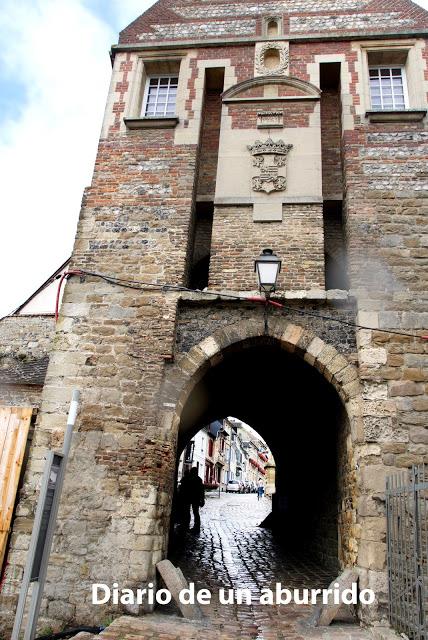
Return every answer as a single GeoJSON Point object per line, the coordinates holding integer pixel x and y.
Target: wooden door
{"type": "Point", "coordinates": [14, 426]}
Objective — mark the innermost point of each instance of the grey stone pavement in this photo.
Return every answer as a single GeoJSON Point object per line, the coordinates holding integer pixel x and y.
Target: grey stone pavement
{"type": "Point", "coordinates": [232, 551]}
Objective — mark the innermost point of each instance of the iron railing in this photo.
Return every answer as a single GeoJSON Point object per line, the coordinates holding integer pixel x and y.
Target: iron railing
{"type": "Point", "coordinates": [407, 548]}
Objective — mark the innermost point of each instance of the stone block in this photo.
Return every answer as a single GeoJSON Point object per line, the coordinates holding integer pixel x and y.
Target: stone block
{"type": "Point", "coordinates": [383, 429]}
{"type": "Point", "coordinates": [291, 336]}
{"type": "Point", "coordinates": [406, 460]}
{"type": "Point", "coordinates": [374, 529]}
{"type": "Point", "coordinates": [375, 390]}
{"type": "Point", "coordinates": [313, 350]}
{"type": "Point", "coordinates": [373, 478]}
{"type": "Point", "coordinates": [209, 347]}
{"type": "Point", "coordinates": [337, 364]}
{"type": "Point", "coordinates": [369, 319]}
{"type": "Point", "coordinates": [373, 356]}
{"type": "Point", "coordinates": [175, 582]}
{"type": "Point", "coordinates": [405, 389]}
{"type": "Point", "coordinates": [328, 612]}
{"type": "Point", "coordinates": [351, 389]}
{"type": "Point", "coordinates": [372, 555]}
{"type": "Point", "coordinates": [325, 357]}
{"type": "Point", "coordinates": [419, 435]}
{"type": "Point", "coordinates": [414, 418]}
{"type": "Point", "coordinates": [346, 375]}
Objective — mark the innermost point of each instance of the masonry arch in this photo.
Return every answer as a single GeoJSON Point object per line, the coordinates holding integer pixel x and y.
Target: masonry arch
{"type": "Point", "coordinates": [303, 397]}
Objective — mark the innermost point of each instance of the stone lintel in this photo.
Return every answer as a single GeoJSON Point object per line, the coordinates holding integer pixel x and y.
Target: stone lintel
{"type": "Point", "coordinates": [150, 123]}
{"type": "Point", "coordinates": [406, 115]}
{"type": "Point", "coordinates": [315, 295]}
{"type": "Point", "coordinates": [246, 201]}
{"type": "Point", "coordinates": [270, 99]}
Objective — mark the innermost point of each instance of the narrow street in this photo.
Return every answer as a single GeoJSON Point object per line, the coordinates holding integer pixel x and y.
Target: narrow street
{"type": "Point", "coordinates": [232, 551]}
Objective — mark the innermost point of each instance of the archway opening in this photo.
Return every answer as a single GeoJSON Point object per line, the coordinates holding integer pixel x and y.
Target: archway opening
{"type": "Point", "coordinates": [230, 457]}
{"type": "Point", "coordinates": [300, 416]}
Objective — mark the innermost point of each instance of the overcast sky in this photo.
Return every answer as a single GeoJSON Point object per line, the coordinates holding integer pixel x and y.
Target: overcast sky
{"type": "Point", "coordinates": [54, 76]}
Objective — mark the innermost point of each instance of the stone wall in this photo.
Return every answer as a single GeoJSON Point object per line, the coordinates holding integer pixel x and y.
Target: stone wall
{"type": "Point", "coordinates": [111, 343]}
{"type": "Point", "coordinates": [114, 342]}
{"type": "Point", "coordinates": [25, 343]}
{"type": "Point", "coordinates": [198, 320]}
{"type": "Point", "coordinates": [25, 338]}
{"type": "Point", "coordinates": [200, 20]}
{"type": "Point", "coordinates": [386, 223]}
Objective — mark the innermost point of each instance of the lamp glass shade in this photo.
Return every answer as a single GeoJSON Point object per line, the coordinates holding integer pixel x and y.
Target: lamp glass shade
{"type": "Point", "coordinates": [268, 266]}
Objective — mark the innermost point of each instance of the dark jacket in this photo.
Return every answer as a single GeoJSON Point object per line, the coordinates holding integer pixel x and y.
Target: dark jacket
{"type": "Point", "coordinates": [192, 490]}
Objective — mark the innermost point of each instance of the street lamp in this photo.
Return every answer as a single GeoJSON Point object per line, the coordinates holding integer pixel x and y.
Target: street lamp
{"type": "Point", "coordinates": [267, 266]}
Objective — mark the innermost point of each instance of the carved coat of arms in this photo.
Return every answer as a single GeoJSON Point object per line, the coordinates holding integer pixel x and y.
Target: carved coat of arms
{"type": "Point", "coordinates": [269, 157]}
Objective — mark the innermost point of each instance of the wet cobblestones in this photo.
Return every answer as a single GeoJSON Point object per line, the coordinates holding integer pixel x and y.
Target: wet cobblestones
{"type": "Point", "coordinates": [232, 551]}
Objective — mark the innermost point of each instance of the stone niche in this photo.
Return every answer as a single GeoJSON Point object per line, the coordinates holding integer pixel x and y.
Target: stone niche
{"type": "Point", "coordinates": [271, 58]}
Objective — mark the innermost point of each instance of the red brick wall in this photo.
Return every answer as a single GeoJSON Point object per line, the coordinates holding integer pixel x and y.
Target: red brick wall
{"type": "Point", "coordinates": [210, 134]}
{"type": "Point", "coordinates": [331, 144]}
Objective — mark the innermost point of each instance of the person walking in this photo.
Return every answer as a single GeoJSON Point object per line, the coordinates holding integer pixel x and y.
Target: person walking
{"type": "Point", "coordinates": [260, 489]}
{"type": "Point", "coordinates": [192, 496]}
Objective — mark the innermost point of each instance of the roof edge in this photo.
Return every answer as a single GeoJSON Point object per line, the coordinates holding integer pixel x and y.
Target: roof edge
{"type": "Point", "coordinates": [219, 42]}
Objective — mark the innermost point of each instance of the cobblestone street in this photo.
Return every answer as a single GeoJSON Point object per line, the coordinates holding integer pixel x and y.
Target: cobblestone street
{"type": "Point", "coordinates": [232, 551]}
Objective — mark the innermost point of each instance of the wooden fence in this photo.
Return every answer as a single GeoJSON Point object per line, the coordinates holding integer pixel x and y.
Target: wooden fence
{"type": "Point", "coordinates": [14, 426]}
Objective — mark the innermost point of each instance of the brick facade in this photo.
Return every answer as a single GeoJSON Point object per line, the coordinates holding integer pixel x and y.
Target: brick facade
{"type": "Point", "coordinates": [139, 356]}
{"type": "Point", "coordinates": [298, 239]}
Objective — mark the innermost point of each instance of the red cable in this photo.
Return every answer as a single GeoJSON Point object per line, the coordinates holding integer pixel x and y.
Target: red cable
{"type": "Point", "coordinates": [266, 301]}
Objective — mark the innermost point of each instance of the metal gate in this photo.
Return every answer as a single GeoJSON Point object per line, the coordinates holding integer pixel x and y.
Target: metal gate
{"type": "Point", "coordinates": [407, 546]}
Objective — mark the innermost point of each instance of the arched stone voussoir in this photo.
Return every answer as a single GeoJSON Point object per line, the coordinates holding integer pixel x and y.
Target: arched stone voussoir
{"type": "Point", "coordinates": [210, 347]}
{"type": "Point", "coordinates": [238, 332]}
{"type": "Point", "coordinates": [335, 368]}
{"type": "Point", "coordinates": [291, 335]}
{"type": "Point", "coordinates": [314, 349]}
{"type": "Point", "coordinates": [303, 343]}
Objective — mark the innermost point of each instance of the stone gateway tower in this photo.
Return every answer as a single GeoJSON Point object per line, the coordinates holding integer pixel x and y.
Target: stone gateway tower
{"type": "Point", "coordinates": [231, 127]}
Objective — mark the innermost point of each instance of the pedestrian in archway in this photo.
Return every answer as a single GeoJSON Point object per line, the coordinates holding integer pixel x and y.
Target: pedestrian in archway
{"type": "Point", "coordinates": [192, 495]}
{"type": "Point", "coordinates": [260, 489]}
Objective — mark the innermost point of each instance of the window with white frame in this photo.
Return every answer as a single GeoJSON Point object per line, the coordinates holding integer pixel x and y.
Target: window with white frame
{"type": "Point", "coordinates": [388, 90]}
{"type": "Point", "coordinates": [160, 97]}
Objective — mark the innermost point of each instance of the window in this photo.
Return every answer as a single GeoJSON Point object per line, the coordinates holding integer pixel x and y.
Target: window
{"type": "Point", "coordinates": [189, 452]}
{"type": "Point", "coordinates": [388, 88]}
{"type": "Point", "coordinates": [161, 96]}
{"type": "Point", "coordinates": [210, 447]}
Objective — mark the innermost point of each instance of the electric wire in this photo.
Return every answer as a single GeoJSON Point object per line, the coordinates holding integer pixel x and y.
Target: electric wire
{"type": "Point", "coordinates": [141, 285]}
